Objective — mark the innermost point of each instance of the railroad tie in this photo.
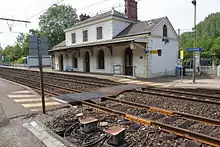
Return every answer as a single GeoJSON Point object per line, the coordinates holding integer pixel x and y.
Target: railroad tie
{"type": "Point", "coordinates": [207, 130]}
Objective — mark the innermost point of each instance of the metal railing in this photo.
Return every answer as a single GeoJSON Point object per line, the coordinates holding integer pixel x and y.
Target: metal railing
{"type": "Point", "coordinates": [124, 70]}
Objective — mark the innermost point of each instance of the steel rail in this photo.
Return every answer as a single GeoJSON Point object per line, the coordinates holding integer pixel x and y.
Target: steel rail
{"type": "Point", "coordinates": [171, 129]}
{"type": "Point", "coordinates": [36, 88]}
{"type": "Point", "coordinates": [57, 74]}
{"type": "Point", "coordinates": [184, 93]}
{"type": "Point", "coordinates": [150, 108]}
{"type": "Point", "coordinates": [179, 97]}
{"type": "Point", "coordinates": [82, 81]}
{"type": "Point", "coordinates": [52, 85]}
{"type": "Point", "coordinates": [167, 128]}
{"type": "Point", "coordinates": [167, 112]}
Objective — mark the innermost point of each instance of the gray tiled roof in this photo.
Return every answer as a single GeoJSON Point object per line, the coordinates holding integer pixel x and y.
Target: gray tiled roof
{"type": "Point", "coordinates": [103, 15]}
{"type": "Point", "coordinates": [141, 27]}
{"type": "Point", "coordinates": [61, 44]}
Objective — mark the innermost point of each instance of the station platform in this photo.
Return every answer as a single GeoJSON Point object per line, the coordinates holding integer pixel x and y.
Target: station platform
{"type": "Point", "coordinates": [166, 82]}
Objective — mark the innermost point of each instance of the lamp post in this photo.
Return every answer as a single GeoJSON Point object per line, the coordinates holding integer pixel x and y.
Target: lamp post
{"type": "Point", "coordinates": [194, 57]}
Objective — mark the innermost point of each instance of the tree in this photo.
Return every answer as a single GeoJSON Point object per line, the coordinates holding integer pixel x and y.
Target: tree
{"type": "Point", "coordinates": [55, 20]}
{"type": "Point", "coordinates": [208, 32]}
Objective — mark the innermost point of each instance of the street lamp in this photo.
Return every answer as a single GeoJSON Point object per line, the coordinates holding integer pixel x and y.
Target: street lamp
{"type": "Point", "coordinates": [194, 57]}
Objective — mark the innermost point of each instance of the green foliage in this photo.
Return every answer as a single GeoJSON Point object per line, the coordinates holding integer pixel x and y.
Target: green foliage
{"type": "Point", "coordinates": [208, 38]}
{"type": "Point", "coordinates": [19, 61]}
{"type": "Point", "coordinates": [52, 23]}
{"type": "Point", "coordinates": [55, 20]}
{"type": "Point", "coordinates": [15, 53]}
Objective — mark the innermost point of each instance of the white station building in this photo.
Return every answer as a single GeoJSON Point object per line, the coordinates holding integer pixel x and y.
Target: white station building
{"type": "Point", "coordinates": [119, 44]}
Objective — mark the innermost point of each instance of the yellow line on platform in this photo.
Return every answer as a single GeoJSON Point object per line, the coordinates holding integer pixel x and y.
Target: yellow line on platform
{"type": "Point", "coordinates": [156, 84]}
{"type": "Point", "coordinates": [34, 110]}
{"type": "Point", "coordinates": [122, 80]}
{"type": "Point", "coordinates": [40, 104]}
{"type": "Point", "coordinates": [28, 100]}
{"type": "Point", "coordinates": [145, 83]}
{"type": "Point", "coordinates": [133, 81]}
{"type": "Point", "coordinates": [19, 92]}
{"type": "Point", "coordinates": [22, 96]}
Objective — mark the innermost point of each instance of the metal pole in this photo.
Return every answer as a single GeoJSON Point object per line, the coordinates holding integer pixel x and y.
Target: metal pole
{"type": "Point", "coordinates": [41, 76]}
{"type": "Point", "coordinates": [194, 57]}
{"type": "Point", "coordinates": [180, 56]}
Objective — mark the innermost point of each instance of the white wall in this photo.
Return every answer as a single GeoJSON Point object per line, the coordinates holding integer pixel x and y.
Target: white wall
{"type": "Point", "coordinates": [118, 26]}
{"type": "Point", "coordinates": [56, 61]}
{"type": "Point", "coordinates": [165, 64]}
{"type": "Point", "coordinates": [140, 61]}
{"type": "Point", "coordinates": [92, 35]}
{"type": "Point", "coordinates": [170, 31]}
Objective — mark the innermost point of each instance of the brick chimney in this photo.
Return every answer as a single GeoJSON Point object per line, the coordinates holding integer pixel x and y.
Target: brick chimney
{"type": "Point", "coordinates": [131, 9]}
{"type": "Point", "coordinates": [83, 17]}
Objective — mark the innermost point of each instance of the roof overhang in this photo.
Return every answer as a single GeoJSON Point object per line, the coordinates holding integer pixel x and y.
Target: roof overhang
{"type": "Point", "coordinates": [105, 42]}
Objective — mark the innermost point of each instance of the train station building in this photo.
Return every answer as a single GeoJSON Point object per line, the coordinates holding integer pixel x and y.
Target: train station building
{"type": "Point", "coordinates": [119, 44]}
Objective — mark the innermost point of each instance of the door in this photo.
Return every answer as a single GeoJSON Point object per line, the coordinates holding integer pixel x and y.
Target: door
{"type": "Point", "coordinates": [61, 62]}
{"type": "Point", "coordinates": [87, 62]}
{"type": "Point", "coordinates": [128, 62]}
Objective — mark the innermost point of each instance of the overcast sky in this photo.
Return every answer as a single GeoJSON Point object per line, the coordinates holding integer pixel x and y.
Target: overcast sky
{"type": "Point", "coordinates": [180, 12]}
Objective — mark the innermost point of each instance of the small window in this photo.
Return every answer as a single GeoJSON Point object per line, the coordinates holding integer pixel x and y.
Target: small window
{"type": "Point", "coordinates": [99, 33]}
{"type": "Point", "coordinates": [101, 60]}
{"type": "Point", "coordinates": [85, 36]}
{"type": "Point", "coordinates": [75, 62]}
{"type": "Point", "coordinates": [73, 38]}
{"type": "Point", "coordinates": [165, 31]}
{"type": "Point", "coordinates": [159, 51]}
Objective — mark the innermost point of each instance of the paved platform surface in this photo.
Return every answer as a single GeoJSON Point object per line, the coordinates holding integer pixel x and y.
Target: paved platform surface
{"type": "Point", "coordinates": [18, 100]}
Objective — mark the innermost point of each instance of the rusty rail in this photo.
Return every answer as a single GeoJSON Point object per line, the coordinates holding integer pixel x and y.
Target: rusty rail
{"type": "Point", "coordinates": [167, 112]}
{"type": "Point", "coordinates": [179, 97]}
{"type": "Point", "coordinates": [183, 92]}
{"type": "Point", "coordinates": [52, 85]}
{"type": "Point", "coordinates": [167, 128]}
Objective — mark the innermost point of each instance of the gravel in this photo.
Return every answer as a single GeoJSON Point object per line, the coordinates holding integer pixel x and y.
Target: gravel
{"type": "Point", "coordinates": [14, 135]}
{"type": "Point", "coordinates": [195, 108]}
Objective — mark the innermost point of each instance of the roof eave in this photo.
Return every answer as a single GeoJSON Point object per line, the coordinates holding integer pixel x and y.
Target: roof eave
{"type": "Point", "coordinates": [143, 33]}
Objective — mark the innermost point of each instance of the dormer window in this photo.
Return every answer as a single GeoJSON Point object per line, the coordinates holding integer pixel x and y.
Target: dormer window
{"type": "Point", "coordinates": [85, 35]}
{"type": "Point", "coordinates": [165, 31]}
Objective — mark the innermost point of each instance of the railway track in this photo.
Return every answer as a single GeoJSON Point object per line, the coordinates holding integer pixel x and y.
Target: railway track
{"type": "Point", "coordinates": [148, 115]}
{"type": "Point", "coordinates": [203, 98]}
{"type": "Point", "coordinates": [58, 76]}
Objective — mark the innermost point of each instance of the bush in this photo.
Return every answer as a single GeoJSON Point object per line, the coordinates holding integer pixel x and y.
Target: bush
{"type": "Point", "coordinates": [19, 61]}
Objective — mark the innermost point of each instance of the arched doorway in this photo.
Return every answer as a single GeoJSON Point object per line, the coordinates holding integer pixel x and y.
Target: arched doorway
{"type": "Point", "coordinates": [61, 62]}
{"type": "Point", "coordinates": [128, 62]}
{"type": "Point", "coordinates": [87, 62]}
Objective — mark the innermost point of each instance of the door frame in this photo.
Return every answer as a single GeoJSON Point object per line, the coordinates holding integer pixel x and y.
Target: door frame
{"type": "Point", "coordinates": [128, 61]}
{"type": "Point", "coordinates": [87, 62]}
{"type": "Point", "coordinates": [61, 62]}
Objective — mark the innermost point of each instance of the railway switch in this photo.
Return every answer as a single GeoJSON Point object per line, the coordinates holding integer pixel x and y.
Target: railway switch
{"type": "Point", "coordinates": [89, 124]}
{"type": "Point", "coordinates": [117, 135]}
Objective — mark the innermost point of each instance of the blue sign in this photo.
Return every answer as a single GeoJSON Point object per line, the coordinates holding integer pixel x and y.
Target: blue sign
{"type": "Point", "coordinates": [194, 49]}
{"type": "Point", "coordinates": [146, 51]}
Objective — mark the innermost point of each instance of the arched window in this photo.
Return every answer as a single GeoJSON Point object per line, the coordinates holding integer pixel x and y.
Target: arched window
{"type": "Point", "coordinates": [75, 63]}
{"type": "Point", "coordinates": [165, 31]}
{"type": "Point", "coordinates": [101, 60]}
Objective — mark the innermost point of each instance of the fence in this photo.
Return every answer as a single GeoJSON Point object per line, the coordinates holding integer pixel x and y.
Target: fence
{"type": "Point", "coordinates": [124, 70]}
{"type": "Point", "coordinates": [209, 70]}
